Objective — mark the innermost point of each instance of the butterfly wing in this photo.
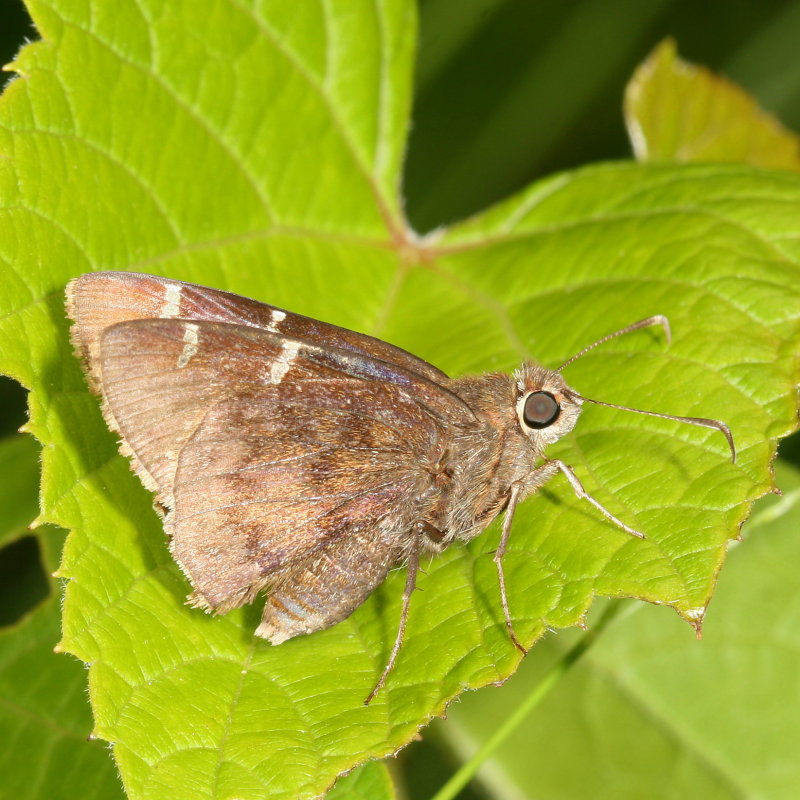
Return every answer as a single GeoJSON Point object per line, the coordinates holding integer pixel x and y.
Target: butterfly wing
{"type": "Point", "coordinates": [329, 585]}
{"type": "Point", "coordinates": [309, 490]}
{"type": "Point", "coordinates": [159, 378]}
{"type": "Point", "coordinates": [279, 459]}
{"type": "Point", "coordinates": [98, 300]}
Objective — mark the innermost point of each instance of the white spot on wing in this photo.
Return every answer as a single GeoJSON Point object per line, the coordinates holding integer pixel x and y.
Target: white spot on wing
{"type": "Point", "coordinates": [172, 300]}
{"type": "Point", "coordinates": [190, 345]}
{"type": "Point", "coordinates": [284, 361]}
{"type": "Point", "coordinates": [275, 318]}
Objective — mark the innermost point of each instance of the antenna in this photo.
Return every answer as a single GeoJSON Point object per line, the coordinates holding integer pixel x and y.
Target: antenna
{"type": "Point", "coordinates": [700, 422]}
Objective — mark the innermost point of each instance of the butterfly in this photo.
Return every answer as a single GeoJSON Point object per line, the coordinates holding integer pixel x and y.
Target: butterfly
{"type": "Point", "coordinates": [296, 458]}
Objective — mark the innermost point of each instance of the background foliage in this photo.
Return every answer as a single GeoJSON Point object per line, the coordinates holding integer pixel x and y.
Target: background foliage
{"type": "Point", "coordinates": [488, 69]}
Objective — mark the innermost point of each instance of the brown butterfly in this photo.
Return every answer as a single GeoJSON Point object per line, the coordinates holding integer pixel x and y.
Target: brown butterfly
{"type": "Point", "coordinates": [299, 458]}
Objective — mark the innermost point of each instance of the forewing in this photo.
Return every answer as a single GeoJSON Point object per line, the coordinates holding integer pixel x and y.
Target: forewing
{"type": "Point", "coordinates": [296, 480]}
{"type": "Point", "coordinates": [160, 377]}
{"type": "Point", "coordinates": [100, 299]}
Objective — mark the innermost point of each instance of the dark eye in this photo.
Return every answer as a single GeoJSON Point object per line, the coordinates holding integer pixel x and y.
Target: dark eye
{"type": "Point", "coordinates": [541, 410]}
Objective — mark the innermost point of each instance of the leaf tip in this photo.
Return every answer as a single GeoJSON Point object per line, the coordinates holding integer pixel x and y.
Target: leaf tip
{"type": "Point", "coordinates": [695, 617]}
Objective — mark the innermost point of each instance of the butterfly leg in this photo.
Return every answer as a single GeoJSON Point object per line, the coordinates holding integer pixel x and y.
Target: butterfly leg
{"type": "Point", "coordinates": [581, 493]}
{"type": "Point", "coordinates": [517, 489]}
{"type": "Point", "coordinates": [411, 582]}
{"type": "Point", "coordinates": [538, 478]}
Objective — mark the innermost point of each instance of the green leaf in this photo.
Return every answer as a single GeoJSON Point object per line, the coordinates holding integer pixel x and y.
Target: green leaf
{"type": "Point", "coordinates": [370, 782]}
{"type": "Point", "coordinates": [258, 149]}
{"type": "Point", "coordinates": [649, 706]}
{"type": "Point", "coordinates": [44, 715]}
{"type": "Point", "coordinates": [678, 111]}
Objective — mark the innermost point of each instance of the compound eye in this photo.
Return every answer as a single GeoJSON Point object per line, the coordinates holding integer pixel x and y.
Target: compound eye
{"type": "Point", "coordinates": [540, 410]}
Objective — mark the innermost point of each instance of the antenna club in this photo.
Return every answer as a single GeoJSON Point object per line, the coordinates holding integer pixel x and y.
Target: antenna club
{"type": "Point", "coordinates": [660, 319]}
{"type": "Point", "coordinates": [700, 422]}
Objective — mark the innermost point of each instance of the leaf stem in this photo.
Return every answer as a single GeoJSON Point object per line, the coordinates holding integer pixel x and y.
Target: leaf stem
{"type": "Point", "coordinates": [467, 771]}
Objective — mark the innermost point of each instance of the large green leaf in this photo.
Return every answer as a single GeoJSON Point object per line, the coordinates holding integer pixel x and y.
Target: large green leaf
{"type": "Point", "coordinates": [258, 148]}
{"type": "Point", "coordinates": [655, 713]}
{"type": "Point", "coordinates": [44, 715]}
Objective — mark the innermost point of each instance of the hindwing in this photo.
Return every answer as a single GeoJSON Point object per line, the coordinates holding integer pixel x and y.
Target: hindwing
{"type": "Point", "coordinates": [283, 480]}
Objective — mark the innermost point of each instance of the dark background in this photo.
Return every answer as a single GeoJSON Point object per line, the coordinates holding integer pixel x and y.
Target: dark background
{"type": "Point", "coordinates": [509, 91]}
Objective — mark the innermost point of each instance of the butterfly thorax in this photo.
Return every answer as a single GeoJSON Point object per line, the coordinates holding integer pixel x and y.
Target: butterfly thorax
{"type": "Point", "coordinates": [484, 458]}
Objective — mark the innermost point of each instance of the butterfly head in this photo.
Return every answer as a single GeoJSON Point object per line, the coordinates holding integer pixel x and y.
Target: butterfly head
{"type": "Point", "coordinates": [546, 407]}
